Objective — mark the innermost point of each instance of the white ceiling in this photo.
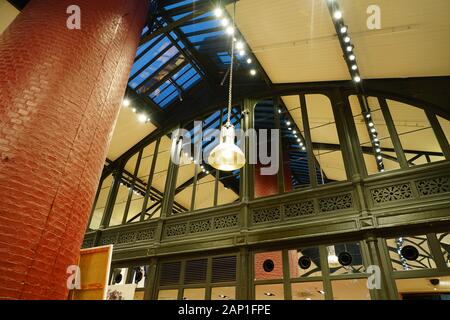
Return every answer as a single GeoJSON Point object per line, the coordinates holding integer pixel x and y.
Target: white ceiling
{"type": "Point", "coordinates": [295, 41]}
{"type": "Point", "coordinates": [127, 133]}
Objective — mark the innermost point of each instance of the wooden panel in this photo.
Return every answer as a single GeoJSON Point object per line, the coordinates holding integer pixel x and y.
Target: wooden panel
{"type": "Point", "coordinates": [94, 266]}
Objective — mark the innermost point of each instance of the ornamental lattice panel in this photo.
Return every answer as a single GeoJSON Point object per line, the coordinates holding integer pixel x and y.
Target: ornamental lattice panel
{"type": "Point", "coordinates": [433, 186]}
{"type": "Point", "coordinates": [127, 237]}
{"type": "Point", "coordinates": [145, 235]}
{"type": "Point", "coordinates": [176, 230]}
{"type": "Point", "coordinates": [226, 222]}
{"type": "Point", "coordinates": [392, 193]}
{"type": "Point", "coordinates": [304, 208]}
{"type": "Point", "coordinates": [266, 215]}
{"type": "Point", "coordinates": [336, 203]}
{"type": "Point", "coordinates": [200, 226]}
{"type": "Point", "coordinates": [109, 240]}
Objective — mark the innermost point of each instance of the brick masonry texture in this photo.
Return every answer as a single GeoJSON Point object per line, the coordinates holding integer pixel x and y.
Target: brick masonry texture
{"type": "Point", "coordinates": [60, 94]}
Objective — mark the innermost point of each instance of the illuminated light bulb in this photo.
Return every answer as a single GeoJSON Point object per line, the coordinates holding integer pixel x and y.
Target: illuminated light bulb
{"type": "Point", "coordinates": [337, 15]}
{"type": "Point", "coordinates": [239, 45]}
{"type": "Point", "coordinates": [373, 130]}
{"type": "Point", "coordinates": [347, 39]}
{"type": "Point", "coordinates": [298, 140]}
{"type": "Point", "coordinates": [227, 156]}
{"type": "Point", "coordinates": [218, 12]}
{"type": "Point", "coordinates": [303, 148]}
{"type": "Point", "coordinates": [242, 53]}
{"type": "Point", "coordinates": [370, 124]}
{"type": "Point", "coordinates": [368, 115]}
{"type": "Point", "coordinates": [230, 30]}
{"type": "Point", "coordinates": [142, 118]}
{"type": "Point", "coordinates": [294, 132]}
{"type": "Point", "coordinates": [349, 49]}
{"type": "Point", "coordinates": [225, 22]}
{"type": "Point", "coordinates": [249, 60]}
{"type": "Point", "coordinates": [378, 150]}
{"type": "Point", "coordinates": [288, 123]}
{"type": "Point", "coordinates": [134, 110]}
{"type": "Point", "coordinates": [253, 72]}
{"type": "Point", "coordinates": [352, 57]}
{"type": "Point", "coordinates": [289, 129]}
{"type": "Point", "coordinates": [344, 29]}
{"type": "Point", "coordinates": [382, 170]}
{"type": "Point", "coordinates": [379, 157]}
{"type": "Point", "coordinates": [126, 103]}
{"type": "Point", "coordinates": [357, 79]}
{"type": "Point", "coordinates": [279, 110]}
{"type": "Point", "coordinates": [355, 67]}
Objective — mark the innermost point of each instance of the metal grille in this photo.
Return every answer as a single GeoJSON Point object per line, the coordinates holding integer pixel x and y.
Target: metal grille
{"type": "Point", "coordinates": [170, 273]}
{"type": "Point", "coordinates": [224, 269]}
{"type": "Point", "coordinates": [196, 271]}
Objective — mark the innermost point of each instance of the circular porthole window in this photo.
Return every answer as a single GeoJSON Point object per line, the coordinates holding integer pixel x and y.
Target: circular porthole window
{"type": "Point", "coordinates": [304, 262]}
{"type": "Point", "coordinates": [268, 265]}
{"type": "Point", "coordinates": [410, 253]}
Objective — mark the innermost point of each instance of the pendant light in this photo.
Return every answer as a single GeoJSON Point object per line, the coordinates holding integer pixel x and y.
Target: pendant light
{"type": "Point", "coordinates": [333, 260]}
{"type": "Point", "coordinates": [227, 156]}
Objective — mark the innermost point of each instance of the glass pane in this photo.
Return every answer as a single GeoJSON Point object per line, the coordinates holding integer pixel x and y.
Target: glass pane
{"type": "Point", "coordinates": [305, 263]}
{"type": "Point", "coordinates": [415, 133]}
{"type": "Point", "coordinates": [432, 288]}
{"type": "Point", "coordinates": [295, 157]}
{"type": "Point", "coordinates": [146, 162]}
{"type": "Point", "coordinates": [445, 125]}
{"type": "Point", "coordinates": [444, 239]}
{"type": "Point", "coordinates": [204, 195]}
{"type": "Point", "coordinates": [100, 205]}
{"type": "Point", "coordinates": [223, 293]}
{"type": "Point", "coordinates": [269, 292]}
{"type": "Point", "coordinates": [268, 265]}
{"type": "Point", "coordinates": [308, 291]}
{"type": "Point", "coordinates": [388, 155]}
{"type": "Point", "coordinates": [266, 181]}
{"type": "Point", "coordinates": [194, 294]}
{"type": "Point", "coordinates": [135, 209]}
{"type": "Point", "coordinates": [168, 294]}
{"type": "Point", "coordinates": [345, 258]}
{"type": "Point", "coordinates": [228, 187]}
{"type": "Point", "coordinates": [325, 140]}
{"type": "Point", "coordinates": [410, 253]}
{"type": "Point", "coordinates": [184, 183]}
{"type": "Point", "coordinates": [159, 179]}
{"type": "Point", "coordinates": [119, 206]}
{"type": "Point", "coordinates": [353, 289]}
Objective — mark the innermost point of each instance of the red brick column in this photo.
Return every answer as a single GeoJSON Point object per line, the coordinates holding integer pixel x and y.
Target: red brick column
{"type": "Point", "coordinates": [60, 94]}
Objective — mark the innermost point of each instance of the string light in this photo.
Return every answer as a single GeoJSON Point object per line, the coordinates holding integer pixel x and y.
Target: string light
{"type": "Point", "coordinates": [218, 12]}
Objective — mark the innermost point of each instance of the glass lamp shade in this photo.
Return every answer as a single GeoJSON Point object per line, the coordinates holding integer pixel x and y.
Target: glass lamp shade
{"type": "Point", "coordinates": [227, 156]}
{"type": "Point", "coordinates": [333, 260]}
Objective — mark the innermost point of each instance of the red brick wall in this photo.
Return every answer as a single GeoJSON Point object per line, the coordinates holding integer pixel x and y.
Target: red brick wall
{"type": "Point", "coordinates": [60, 93]}
{"type": "Point", "coordinates": [266, 185]}
{"type": "Point", "coordinates": [277, 273]}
